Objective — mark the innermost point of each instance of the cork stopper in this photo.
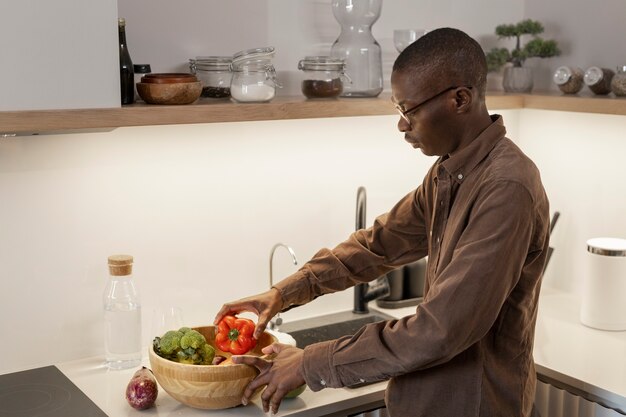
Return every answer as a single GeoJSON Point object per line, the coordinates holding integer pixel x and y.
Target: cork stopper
{"type": "Point", "coordinates": [120, 265]}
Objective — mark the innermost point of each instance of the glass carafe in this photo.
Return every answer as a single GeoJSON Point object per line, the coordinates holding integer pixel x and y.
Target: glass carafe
{"type": "Point", "coordinates": [357, 46]}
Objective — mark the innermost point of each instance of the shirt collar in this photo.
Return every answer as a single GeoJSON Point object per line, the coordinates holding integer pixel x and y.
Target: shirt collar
{"type": "Point", "coordinates": [463, 162]}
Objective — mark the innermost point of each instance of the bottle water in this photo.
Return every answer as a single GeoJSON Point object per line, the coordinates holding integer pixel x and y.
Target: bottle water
{"type": "Point", "coordinates": [122, 316]}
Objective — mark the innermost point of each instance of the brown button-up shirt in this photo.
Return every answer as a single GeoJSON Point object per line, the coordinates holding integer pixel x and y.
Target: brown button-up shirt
{"type": "Point", "coordinates": [481, 216]}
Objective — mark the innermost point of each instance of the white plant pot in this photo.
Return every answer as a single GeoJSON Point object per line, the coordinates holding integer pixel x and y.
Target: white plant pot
{"type": "Point", "coordinates": [518, 80]}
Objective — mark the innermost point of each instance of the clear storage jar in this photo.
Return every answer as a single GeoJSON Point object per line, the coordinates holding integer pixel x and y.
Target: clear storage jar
{"type": "Point", "coordinates": [254, 76]}
{"type": "Point", "coordinates": [214, 73]}
{"type": "Point", "coordinates": [323, 76]}
{"type": "Point", "coordinates": [569, 79]}
{"type": "Point", "coordinates": [599, 80]}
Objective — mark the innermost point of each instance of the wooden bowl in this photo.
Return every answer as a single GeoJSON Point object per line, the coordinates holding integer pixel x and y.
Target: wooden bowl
{"type": "Point", "coordinates": [169, 93]}
{"type": "Point", "coordinates": [211, 387]}
{"type": "Point", "coordinates": [168, 78]}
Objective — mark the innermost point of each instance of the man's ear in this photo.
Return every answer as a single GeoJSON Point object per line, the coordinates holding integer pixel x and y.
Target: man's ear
{"type": "Point", "coordinates": [463, 99]}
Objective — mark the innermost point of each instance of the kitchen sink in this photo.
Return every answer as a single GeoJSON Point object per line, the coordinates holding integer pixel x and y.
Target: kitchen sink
{"type": "Point", "coordinates": [329, 327]}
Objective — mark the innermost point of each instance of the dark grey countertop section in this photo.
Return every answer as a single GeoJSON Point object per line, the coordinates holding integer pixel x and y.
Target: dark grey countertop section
{"type": "Point", "coordinates": [43, 392]}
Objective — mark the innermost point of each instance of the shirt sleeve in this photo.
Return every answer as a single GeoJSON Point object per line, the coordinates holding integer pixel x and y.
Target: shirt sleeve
{"type": "Point", "coordinates": [461, 306]}
{"type": "Point", "coordinates": [396, 238]}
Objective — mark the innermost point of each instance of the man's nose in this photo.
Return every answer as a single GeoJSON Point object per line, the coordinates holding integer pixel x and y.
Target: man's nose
{"type": "Point", "coordinates": [403, 125]}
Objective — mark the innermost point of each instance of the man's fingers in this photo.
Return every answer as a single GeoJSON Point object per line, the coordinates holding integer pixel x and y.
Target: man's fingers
{"type": "Point", "coordinates": [276, 399]}
{"type": "Point", "coordinates": [274, 348]}
{"type": "Point", "coordinates": [259, 381]}
{"type": "Point", "coordinates": [266, 397]}
{"type": "Point", "coordinates": [260, 364]}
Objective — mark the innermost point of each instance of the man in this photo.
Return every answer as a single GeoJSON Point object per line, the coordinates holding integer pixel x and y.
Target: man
{"type": "Point", "coordinates": [481, 217]}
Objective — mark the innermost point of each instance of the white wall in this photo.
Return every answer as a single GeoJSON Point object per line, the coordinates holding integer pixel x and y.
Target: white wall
{"type": "Point", "coordinates": [581, 157]}
{"type": "Point", "coordinates": [199, 207]}
{"type": "Point", "coordinates": [58, 54]}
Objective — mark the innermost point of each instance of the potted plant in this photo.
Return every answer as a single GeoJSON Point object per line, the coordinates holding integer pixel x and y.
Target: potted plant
{"type": "Point", "coordinates": [518, 78]}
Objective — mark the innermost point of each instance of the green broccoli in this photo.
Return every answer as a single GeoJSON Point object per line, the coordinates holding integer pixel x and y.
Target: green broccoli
{"type": "Point", "coordinates": [185, 346]}
{"type": "Point", "coordinates": [170, 342]}
{"type": "Point", "coordinates": [193, 339]}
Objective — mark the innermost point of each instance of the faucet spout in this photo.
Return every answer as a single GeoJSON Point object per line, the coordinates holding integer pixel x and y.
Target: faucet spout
{"type": "Point", "coordinates": [273, 324]}
{"type": "Point", "coordinates": [364, 293]}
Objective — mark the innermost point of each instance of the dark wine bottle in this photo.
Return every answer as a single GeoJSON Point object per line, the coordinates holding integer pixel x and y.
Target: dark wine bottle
{"type": "Point", "coordinates": [127, 76]}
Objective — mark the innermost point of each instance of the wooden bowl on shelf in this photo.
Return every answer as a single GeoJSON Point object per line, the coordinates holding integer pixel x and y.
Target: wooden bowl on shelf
{"type": "Point", "coordinates": [169, 92]}
{"type": "Point", "coordinates": [169, 88]}
{"type": "Point", "coordinates": [207, 386]}
{"type": "Point", "coordinates": [169, 77]}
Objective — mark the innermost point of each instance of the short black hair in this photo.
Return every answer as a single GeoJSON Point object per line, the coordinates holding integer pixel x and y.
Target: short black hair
{"type": "Point", "coordinates": [447, 54]}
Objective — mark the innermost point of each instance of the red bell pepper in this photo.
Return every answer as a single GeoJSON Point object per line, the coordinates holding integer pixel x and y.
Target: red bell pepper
{"type": "Point", "coordinates": [234, 335]}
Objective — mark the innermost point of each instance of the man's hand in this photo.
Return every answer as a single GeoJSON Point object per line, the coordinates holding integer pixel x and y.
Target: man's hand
{"type": "Point", "coordinates": [264, 305]}
{"type": "Point", "coordinates": [280, 375]}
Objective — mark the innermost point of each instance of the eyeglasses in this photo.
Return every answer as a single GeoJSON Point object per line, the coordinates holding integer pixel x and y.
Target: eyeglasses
{"type": "Point", "coordinates": [405, 113]}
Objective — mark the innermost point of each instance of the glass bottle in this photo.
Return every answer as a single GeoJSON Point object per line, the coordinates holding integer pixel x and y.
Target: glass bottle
{"type": "Point", "coordinates": [122, 315]}
{"type": "Point", "coordinates": [254, 76]}
{"type": "Point", "coordinates": [357, 46]}
{"type": "Point", "coordinates": [323, 76]}
{"type": "Point", "coordinates": [127, 77]}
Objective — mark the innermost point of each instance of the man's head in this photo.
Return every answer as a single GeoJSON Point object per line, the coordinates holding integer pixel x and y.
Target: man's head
{"type": "Point", "coordinates": [439, 83]}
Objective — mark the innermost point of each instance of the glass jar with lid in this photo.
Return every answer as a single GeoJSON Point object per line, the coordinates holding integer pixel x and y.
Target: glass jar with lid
{"type": "Point", "coordinates": [599, 80]}
{"type": "Point", "coordinates": [618, 83]}
{"type": "Point", "coordinates": [214, 73]}
{"type": "Point", "coordinates": [254, 76]}
{"type": "Point", "coordinates": [569, 79]}
{"type": "Point", "coordinates": [323, 76]}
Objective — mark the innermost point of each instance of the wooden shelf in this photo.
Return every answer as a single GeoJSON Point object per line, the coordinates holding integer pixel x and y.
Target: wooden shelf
{"type": "Point", "coordinates": [281, 108]}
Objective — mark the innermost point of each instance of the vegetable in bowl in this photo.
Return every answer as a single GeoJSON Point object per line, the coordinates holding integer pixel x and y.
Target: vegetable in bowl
{"type": "Point", "coordinates": [184, 346]}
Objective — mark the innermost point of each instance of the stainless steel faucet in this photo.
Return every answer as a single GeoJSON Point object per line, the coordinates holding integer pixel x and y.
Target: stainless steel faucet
{"type": "Point", "coordinates": [277, 321]}
{"type": "Point", "coordinates": [364, 293]}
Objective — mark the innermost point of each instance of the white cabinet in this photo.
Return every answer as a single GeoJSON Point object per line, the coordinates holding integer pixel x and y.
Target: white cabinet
{"type": "Point", "coordinates": [58, 54]}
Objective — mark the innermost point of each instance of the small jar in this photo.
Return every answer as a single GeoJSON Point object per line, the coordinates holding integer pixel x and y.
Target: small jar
{"type": "Point", "coordinates": [323, 76]}
{"type": "Point", "coordinates": [569, 79]}
{"type": "Point", "coordinates": [214, 73]}
{"type": "Point", "coordinates": [618, 83]}
{"type": "Point", "coordinates": [140, 70]}
{"type": "Point", "coordinates": [254, 76]}
{"type": "Point", "coordinates": [599, 80]}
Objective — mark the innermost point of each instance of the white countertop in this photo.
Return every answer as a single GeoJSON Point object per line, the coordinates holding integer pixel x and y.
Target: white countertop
{"type": "Point", "coordinates": [590, 360]}
{"type": "Point", "coordinates": [106, 388]}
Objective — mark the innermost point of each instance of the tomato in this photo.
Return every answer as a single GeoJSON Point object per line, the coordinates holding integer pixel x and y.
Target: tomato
{"type": "Point", "coordinates": [234, 335]}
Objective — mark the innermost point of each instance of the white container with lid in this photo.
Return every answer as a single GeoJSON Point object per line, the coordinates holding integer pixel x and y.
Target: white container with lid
{"type": "Point", "coordinates": [604, 290]}
{"type": "Point", "coordinates": [254, 76]}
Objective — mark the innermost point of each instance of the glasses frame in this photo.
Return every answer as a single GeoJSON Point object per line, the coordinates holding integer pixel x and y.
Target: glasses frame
{"type": "Point", "coordinates": [405, 113]}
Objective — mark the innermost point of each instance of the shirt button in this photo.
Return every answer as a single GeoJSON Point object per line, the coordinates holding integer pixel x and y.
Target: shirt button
{"type": "Point", "coordinates": [322, 382]}
{"type": "Point", "coordinates": [437, 240]}
{"type": "Point", "coordinates": [361, 380]}
{"type": "Point", "coordinates": [460, 176]}
{"type": "Point", "coordinates": [441, 203]}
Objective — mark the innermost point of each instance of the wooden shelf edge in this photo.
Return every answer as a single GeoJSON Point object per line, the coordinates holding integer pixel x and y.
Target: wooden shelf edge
{"type": "Point", "coordinates": [281, 108]}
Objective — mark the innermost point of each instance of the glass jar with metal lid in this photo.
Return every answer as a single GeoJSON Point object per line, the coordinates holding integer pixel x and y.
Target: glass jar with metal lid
{"type": "Point", "coordinates": [618, 83]}
{"type": "Point", "coordinates": [599, 80]}
{"type": "Point", "coordinates": [254, 76]}
{"type": "Point", "coordinates": [214, 73]}
{"type": "Point", "coordinates": [569, 79]}
{"type": "Point", "coordinates": [323, 76]}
